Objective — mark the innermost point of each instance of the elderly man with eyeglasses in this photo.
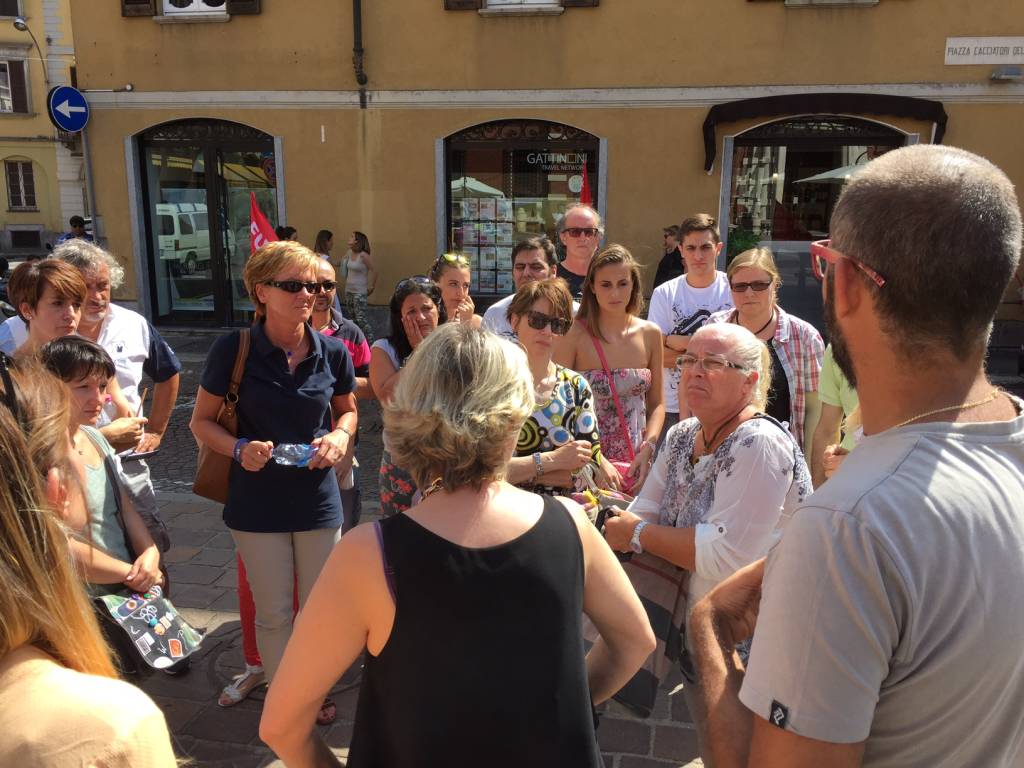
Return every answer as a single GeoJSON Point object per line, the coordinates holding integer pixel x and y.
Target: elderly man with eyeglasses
{"type": "Point", "coordinates": [580, 231]}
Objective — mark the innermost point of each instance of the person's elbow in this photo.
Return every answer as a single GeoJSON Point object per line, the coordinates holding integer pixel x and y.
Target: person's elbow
{"type": "Point", "coordinates": [276, 729]}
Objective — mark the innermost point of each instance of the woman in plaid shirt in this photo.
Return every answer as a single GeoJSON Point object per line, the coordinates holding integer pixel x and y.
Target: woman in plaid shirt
{"type": "Point", "coordinates": [795, 345]}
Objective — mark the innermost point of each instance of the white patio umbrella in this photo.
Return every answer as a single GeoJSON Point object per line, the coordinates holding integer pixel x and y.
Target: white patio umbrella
{"type": "Point", "coordinates": [467, 186]}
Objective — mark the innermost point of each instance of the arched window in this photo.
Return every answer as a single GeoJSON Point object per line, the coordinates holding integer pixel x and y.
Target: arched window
{"type": "Point", "coordinates": [509, 180]}
{"type": "Point", "coordinates": [784, 179]}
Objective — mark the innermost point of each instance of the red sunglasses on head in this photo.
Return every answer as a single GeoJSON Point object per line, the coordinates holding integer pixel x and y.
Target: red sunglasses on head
{"type": "Point", "coordinates": [822, 255]}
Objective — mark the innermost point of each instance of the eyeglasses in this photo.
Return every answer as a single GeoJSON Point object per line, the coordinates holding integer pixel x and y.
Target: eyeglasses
{"type": "Point", "coordinates": [758, 285]}
{"type": "Point", "coordinates": [416, 280]}
{"type": "Point", "coordinates": [581, 231]}
{"type": "Point", "coordinates": [822, 255]}
{"type": "Point", "coordinates": [710, 364]}
{"type": "Point", "coordinates": [538, 321]}
{"type": "Point", "coordinates": [453, 258]}
{"type": "Point", "coordinates": [294, 286]}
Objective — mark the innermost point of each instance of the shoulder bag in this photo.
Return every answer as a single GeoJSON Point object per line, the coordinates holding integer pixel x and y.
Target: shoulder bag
{"type": "Point", "coordinates": [212, 468]}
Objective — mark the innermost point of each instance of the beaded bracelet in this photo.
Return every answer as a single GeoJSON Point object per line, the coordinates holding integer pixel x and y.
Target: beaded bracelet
{"type": "Point", "coordinates": [236, 454]}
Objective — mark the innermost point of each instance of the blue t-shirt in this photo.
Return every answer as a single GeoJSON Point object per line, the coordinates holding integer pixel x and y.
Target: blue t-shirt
{"type": "Point", "coordinates": [281, 407]}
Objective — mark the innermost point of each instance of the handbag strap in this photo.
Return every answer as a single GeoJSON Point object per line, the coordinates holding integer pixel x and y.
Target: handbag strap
{"type": "Point", "coordinates": [615, 394]}
{"type": "Point", "coordinates": [231, 398]}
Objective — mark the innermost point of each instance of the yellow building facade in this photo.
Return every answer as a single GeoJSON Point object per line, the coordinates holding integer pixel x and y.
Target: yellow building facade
{"type": "Point", "coordinates": [43, 174]}
{"type": "Point", "coordinates": [479, 122]}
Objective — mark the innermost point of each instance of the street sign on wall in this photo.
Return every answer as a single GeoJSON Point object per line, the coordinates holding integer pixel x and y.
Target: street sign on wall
{"type": "Point", "coordinates": [67, 108]}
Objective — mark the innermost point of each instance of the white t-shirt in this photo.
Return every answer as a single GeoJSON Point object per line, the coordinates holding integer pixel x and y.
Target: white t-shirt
{"type": "Point", "coordinates": [679, 309]}
{"type": "Point", "coordinates": [496, 317]}
{"type": "Point", "coordinates": [891, 610]}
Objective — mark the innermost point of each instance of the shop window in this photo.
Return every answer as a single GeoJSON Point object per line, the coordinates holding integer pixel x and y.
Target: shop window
{"type": "Point", "coordinates": [13, 90]}
{"type": "Point", "coordinates": [21, 238]}
{"type": "Point", "coordinates": [784, 180]}
{"type": "Point", "coordinates": [21, 185]}
{"type": "Point", "coordinates": [509, 180]}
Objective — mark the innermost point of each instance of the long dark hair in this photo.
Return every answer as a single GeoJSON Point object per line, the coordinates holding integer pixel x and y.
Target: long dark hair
{"type": "Point", "coordinates": [406, 288]}
{"type": "Point", "coordinates": [322, 237]}
{"type": "Point", "coordinates": [362, 243]}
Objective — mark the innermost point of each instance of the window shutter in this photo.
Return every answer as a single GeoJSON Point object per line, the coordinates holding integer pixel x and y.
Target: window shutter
{"type": "Point", "coordinates": [19, 89]}
{"type": "Point", "coordinates": [138, 7]}
{"type": "Point", "coordinates": [243, 7]}
{"type": "Point", "coordinates": [13, 188]}
{"type": "Point", "coordinates": [462, 5]}
{"type": "Point", "coordinates": [580, 3]}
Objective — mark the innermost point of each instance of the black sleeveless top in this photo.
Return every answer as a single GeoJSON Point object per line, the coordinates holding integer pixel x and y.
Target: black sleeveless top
{"type": "Point", "coordinates": [485, 662]}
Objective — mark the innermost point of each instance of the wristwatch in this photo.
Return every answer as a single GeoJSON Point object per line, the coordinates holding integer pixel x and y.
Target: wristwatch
{"type": "Point", "coordinates": [634, 543]}
{"type": "Point", "coordinates": [538, 465]}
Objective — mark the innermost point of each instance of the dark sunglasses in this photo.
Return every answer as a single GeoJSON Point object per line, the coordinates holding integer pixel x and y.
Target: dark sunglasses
{"type": "Point", "coordinates": [538, 320]}
{"type": "Point", "coordinates": [581, 231]}
{"type": "Point", "coordinates": [420, 280]}
{"type": "Point", "coordinates": [328, 286]}
{"type": "Point", "coordinates": [294, 286]}
{"type": "Point", "coordinates": [757, 285]}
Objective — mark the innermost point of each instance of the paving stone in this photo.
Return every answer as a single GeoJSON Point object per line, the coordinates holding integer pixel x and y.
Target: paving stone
{"type": "Point", "coordinates": [193, 687]}
{"type": "Point", "coordinates": [213, 753]}
{"type": "Point", "coordinates": [228, 601]}
{"type": "Point", "coordinates": [195, 521]}
{"type": "Point", "coordinates": [185, 537]}
{"type": "Point", "coordinates": [675, 742]}
{"type": "Point", "coordinates": [234, 725]}
{"type": "Point", "coordinates": [229, 580]}
{"type": "Point", "coordinates": [211, 556]}
{"type": "Point", "coordinates": [196, 596]}
{"type": "Point", "coordinates": [178, 554]}
{"type": "Point", "coordinates": [617, 735]}
{"type": "Point", "coordinates": [679, 711]}
{"type": "Point", "coordinates": [222, 540]}
{"type": "Point", "coordinates": [186, 573]}
{"type": "Point", "coordinates": [340, 735]}
{"type": "Point", "coordinates": [178, 712]}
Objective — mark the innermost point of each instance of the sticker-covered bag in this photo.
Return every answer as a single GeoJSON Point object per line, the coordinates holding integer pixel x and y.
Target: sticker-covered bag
{"type": "Point", "coordinates": [158, 633]}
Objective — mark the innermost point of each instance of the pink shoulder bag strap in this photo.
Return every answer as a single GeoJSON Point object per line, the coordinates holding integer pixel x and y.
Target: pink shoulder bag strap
{"type": "Point", "coordinates": [615, 394]}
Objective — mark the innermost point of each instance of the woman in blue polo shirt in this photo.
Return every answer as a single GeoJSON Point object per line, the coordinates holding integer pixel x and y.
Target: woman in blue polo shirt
{"type": "Point", "coordinates": [296, 384]}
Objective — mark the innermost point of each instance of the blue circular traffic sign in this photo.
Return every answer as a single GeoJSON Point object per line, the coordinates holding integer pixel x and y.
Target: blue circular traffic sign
{"type": "Point", "coordinates": [67, 108]}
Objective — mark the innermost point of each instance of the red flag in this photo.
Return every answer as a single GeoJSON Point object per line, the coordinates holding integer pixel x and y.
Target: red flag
{"type": "Point", "coordinates": [260, 231]}
{"type": "Point", "coordinates": [585, 196]}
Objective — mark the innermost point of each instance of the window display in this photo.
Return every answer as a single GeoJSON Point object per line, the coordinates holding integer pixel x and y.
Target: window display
{"type": "Point", "coordinates": [510, 180]}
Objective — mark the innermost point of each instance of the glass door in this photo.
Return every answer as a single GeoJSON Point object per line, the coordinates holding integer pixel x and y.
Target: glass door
{"type": "Point", "coordinates": [182, 265]}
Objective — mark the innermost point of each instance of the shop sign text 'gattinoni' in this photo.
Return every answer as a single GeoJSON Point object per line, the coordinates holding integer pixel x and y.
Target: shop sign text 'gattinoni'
{"type": "Point", "coordinates": [557, 161]}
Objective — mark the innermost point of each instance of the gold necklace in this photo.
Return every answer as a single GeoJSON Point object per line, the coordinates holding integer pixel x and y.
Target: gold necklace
{"type": "Point", "coordinates": [961, 407]}
{"type": "Point", "coordinates": [434, 487]}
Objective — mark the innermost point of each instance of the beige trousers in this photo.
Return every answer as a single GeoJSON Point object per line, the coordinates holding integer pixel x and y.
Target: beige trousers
{"type": "Point", "coordinates": [273, 561]}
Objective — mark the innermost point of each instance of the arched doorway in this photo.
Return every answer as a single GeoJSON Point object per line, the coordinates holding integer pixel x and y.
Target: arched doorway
{"type": "Point", "coordinates": [783, 179]}
{"type": "Point", "coordinates": [197, 176]}
{"type": "Point", "coordinates": [508, 180]}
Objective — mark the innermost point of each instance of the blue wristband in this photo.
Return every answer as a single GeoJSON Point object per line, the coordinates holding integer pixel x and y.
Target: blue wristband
{"type": "Point", "coordinates": [236, 454]}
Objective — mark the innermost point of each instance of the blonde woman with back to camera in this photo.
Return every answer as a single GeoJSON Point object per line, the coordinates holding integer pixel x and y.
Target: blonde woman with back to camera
{"type": "Point", "coordinates": [61, 705]}
{"type": "Point", "coordinates": [471, 602]}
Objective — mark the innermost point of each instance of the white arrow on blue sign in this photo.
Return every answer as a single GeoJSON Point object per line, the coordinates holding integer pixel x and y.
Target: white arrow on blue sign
{"type": "Point", "coordinates": [67, 108]}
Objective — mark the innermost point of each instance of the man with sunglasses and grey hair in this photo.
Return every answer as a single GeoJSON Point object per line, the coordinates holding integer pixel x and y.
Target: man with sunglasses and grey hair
{"type": "Point", "coordinates": [580, 230]}
{"type": "Point", "coordinates": [888, 619]}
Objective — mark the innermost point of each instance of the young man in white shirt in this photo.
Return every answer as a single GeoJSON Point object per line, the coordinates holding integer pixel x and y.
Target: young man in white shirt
{"type": "Point", "coordinates": [682, 305]}
{"type": "Point", "coordinates": [888, 618]}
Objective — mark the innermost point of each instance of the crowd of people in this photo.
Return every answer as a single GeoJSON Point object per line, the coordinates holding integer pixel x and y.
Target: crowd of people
{"type": "Point", "coordinates": [856, 507]}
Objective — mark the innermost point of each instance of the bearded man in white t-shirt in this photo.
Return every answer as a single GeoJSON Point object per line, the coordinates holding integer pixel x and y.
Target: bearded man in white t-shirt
{"type": "Point", "coordinates": [887, 623]}
{"type": "Point", "coordinates": [682, 305]}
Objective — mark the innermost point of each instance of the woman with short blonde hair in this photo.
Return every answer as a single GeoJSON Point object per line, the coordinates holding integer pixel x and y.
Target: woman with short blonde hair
{"type": "Point", "coordinates": [475, 594]}
{"type": "Point", "coordinates": [297, 386]}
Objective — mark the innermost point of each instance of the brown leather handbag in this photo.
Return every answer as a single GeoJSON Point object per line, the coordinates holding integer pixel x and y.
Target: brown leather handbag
{"type": "Point", "coordinates": [212, 469]}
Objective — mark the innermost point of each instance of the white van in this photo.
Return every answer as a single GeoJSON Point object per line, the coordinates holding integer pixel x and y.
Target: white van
{"type": "Point", "coordinates": [183, 236]}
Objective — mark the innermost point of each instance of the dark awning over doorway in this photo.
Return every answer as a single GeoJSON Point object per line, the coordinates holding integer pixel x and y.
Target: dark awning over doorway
{"type": "Point", "coordinates": [820, 103]}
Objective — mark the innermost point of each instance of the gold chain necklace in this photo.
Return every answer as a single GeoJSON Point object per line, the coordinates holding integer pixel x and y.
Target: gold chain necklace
{"type": "Point", "coordinates": [961, 407]}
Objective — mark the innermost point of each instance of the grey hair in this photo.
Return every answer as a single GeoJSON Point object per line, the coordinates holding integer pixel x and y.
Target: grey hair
{"type": "Point", "coordinates": [747, 350]}
{"type": "Point", "coordinates": [943, 228]}
{"type": "Point", "coordinates": [584, 207]}
{"type": "Point", "coordinates": [88, 257]}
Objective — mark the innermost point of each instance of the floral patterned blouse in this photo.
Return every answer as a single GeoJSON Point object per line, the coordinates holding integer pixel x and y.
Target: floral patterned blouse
{"type": "Point", "coordinates": [567, 416]}
{"type": "Point", "coordinates": [632, 385]}
{"type": "Point", "coordinates": [738, 499]}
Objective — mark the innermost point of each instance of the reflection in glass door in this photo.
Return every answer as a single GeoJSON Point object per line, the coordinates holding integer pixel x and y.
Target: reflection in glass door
{"type": "Point", "coordinates": [198, 176]}
{"type": "Point", "coordinates": [182, 264]}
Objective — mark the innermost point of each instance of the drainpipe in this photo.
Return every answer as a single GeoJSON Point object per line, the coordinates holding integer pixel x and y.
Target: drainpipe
{"type": "Point", "coordinates": [357, 50]}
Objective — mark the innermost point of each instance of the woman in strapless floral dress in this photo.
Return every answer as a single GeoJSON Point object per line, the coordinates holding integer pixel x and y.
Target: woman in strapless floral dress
{"type": "Point", "coordinates": [608, 326]}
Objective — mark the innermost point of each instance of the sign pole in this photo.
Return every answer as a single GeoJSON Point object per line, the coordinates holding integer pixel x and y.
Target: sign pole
{"type": "Point", "coordinates": [90, 191]}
